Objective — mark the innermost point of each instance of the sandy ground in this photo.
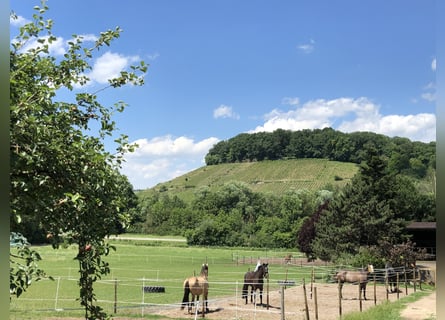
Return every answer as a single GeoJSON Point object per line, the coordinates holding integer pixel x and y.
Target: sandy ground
{"type": "Point", "coordinates": [323, 302]}
{"type": "Point", "coordinates": [328, 307]}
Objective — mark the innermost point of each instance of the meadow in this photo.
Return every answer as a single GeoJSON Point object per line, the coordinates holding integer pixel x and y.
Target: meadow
{"type": "Point", "coordinates": [138, 264]}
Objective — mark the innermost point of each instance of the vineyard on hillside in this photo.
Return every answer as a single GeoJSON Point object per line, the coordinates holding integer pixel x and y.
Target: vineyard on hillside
{"type": "Point", "coordinates": [264, 176]}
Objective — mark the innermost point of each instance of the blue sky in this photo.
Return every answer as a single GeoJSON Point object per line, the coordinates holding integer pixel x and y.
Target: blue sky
{"type": "Point", "coordinates": [220, 68]}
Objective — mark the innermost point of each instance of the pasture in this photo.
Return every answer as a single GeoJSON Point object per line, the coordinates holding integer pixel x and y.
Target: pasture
{"type": "Point", "coordinates": [136, 265]}
{"type": "Point", "coordinates": [139, 268]}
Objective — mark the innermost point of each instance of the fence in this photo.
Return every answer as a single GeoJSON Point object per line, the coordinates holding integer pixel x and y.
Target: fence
{"type": "Point", "coordinates": [306, 291]}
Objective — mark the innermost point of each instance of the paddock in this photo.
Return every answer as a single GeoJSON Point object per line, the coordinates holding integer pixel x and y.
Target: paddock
{"type": "Point", "coordinates": [137, 288]}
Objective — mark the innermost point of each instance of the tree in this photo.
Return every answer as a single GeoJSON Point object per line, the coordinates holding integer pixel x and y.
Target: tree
{"type": "Point", "coordinates": [62, 177]}
{"type": "Point", "coordinates": [362, 214]}
{"type": "Point", "coordinates": [306, 234]}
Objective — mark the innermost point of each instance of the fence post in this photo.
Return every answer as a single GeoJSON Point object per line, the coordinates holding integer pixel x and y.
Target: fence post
{"type": "Point", "coordinates": [414, 278]}
{"type": "Point", "coordinates": [360, 294]}
{"type": "Point", "coordinates": [282, 302]}
{"type": "Point", "coordinates": [397, 285]}
{"type": "Point", "coordinates": [339, 297]}
{"type": "Point", "coordinates": [312, 280]}
{"type": "Point", "coordinates": [143, 296]}
{"type": "Point", "coordinates": [57, 293]}
{"type": "Point", "coordinates": [267, 288]}
{"type": "Point", "coordinates": [306, 308]}
{"type": "Point", "coordinates": [115, 296]}
{"type": "Point", "coordinates": [316, 303]}
{"type": "Point", "coordinates": [406, 284]}
{"type": "Point", "coordinates": [375, 291]}
{"type": "Point", "coordinates": [236, 300]}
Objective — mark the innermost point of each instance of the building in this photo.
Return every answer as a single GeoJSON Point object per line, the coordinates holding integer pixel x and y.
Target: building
{"type": "Point", "coordinates": [423, 234]}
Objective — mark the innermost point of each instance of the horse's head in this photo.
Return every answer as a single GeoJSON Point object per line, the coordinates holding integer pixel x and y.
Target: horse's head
{"type": "Point", "coordinates": [265, 267]}
{"type": "Point", "coordinates": [205, 270]}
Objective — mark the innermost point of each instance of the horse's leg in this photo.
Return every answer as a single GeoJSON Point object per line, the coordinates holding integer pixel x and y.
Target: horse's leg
{"type": "Point", "coordinates": [261, 296]}
{"type": "Point", "coordinates": [245, 292]}
{"type": "Point", "coordinates": [191, 304]}
{"type": "Point", "coordinates": [341, 289]}
{"type": "Point", "coordinates": [203, 305]}
{"type": "Point", "coordinates": [363, 287]}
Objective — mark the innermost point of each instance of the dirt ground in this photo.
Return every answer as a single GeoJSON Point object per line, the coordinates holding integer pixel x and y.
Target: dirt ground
{"type": "Point", "coordinates": [294, 304]}
{"type": "Point", "coordinates": [323, 301]}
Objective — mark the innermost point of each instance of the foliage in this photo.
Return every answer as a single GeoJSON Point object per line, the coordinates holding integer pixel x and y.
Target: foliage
{"type": "Point", "coordinates": [233, 215]}
{"type": "Point", "coordinates": [63, 180]}
{"type": "Point", "coordinates": [406, 157]}
{"type": "Point", "coordinates": [366, 211]}
{"type": "Point", "coordinates": [306, 234]}
{"type": "Point", "coordinates": [23, 265]}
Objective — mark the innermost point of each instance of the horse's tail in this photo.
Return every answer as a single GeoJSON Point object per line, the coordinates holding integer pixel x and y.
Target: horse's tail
{"type": "Point", "coordinates": [185, 299]}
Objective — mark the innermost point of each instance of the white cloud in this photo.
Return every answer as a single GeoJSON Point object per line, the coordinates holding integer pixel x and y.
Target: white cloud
{"type": "Point", "coordinates": [56, 47]}
{"type": "Point", "coordinates": [429, 93]}
{"type": "Point", "coordinates": [18, 21]}
{"type": "Point", "coordinates": [433, 64]}
{"type": "Point", "coordinates": [163, 158]}
{"type": "Point", "coordinates": [349, 115]}
{"type": "Point", "coordinates": [290, 101]}
{"type": "Point", "coordinates": [307, 47]}
{"type": "Point", "coordinates": [153, 56]}
{"type": "Point", "coordinates": [224, 111]}
{"type": "Point", "coordinates": [108, 66]}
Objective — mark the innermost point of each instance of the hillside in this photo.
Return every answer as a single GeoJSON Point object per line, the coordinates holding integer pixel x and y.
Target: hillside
{"type": "Point", "coordinates": [264, 176]}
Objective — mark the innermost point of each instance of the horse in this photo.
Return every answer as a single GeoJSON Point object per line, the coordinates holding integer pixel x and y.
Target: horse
{"type": "Point", "coordinates": [391, 277]}
{"type": "Point", "coordinates": [255, 280]}
{"type": "Point", "coordinates": [360, 277]}
{"type": "Point", "coordinates": [197, 286]}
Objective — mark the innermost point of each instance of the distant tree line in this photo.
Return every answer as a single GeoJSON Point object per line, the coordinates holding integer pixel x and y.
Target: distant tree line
{"type": "Point", "coordinates": [404, 156]}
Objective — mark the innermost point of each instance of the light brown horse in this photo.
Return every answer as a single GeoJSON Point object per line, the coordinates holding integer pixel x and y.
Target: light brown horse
{"type": "Point", "coordinates": [356, 277]}
{"type": "Point", "coordinates": [197, 286]}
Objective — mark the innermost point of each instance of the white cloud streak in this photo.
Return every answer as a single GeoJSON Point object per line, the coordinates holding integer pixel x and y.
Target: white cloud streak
{"type": "Point", "coordinates": [307, 47]}
{"type": "Point", "coordinates": [164, 158]}
{"type": "Point", "coordinates": [224, 111]}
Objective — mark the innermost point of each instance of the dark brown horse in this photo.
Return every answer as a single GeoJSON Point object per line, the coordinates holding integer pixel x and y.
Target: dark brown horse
{"type": "Point", "coordinates": [356, 277]}
{"type": "Point", "coordinates": [255, 280]}
{"type": "Point", "coordinates": [197, 286]}
{"type": "Point", "coordinates": [390, 278]}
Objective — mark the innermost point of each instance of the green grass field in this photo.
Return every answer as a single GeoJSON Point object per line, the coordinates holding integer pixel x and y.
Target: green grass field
{"type": "Point", "coordinates": [136, 264]}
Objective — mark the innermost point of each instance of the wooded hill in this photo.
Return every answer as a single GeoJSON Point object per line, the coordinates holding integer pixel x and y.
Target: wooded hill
{"type": "Point", "coordinates": [307, 159]}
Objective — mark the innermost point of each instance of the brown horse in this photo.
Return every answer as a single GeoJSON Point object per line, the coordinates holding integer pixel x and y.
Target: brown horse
{"type": "Point", "coordinates": [390, 278]}
{"type": "Point", "coordinates": [197, 286]}
{"type": "Point", "coordinates": [255, 280]}
{"type": "Point", "coordinates": [356, 277]}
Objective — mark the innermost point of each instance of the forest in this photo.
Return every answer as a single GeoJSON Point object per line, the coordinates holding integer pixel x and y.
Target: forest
{"type": "Point", "coordinates": [403, 155]}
